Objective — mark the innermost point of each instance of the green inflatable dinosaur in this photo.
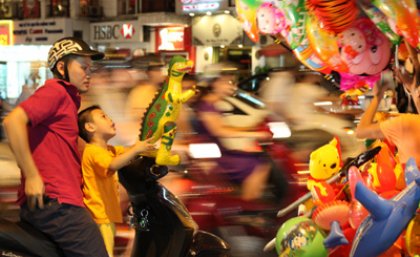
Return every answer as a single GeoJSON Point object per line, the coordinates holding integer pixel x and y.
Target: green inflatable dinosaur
{"type": "Point", "coordinates": [159, 121]}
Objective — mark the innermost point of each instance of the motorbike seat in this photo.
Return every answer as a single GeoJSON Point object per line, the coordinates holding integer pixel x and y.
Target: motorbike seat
{"type": "Point", "coordinates": [24, 238]}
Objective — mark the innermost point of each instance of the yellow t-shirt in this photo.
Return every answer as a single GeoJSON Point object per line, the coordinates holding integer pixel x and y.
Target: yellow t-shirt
{"type": "Point", "coordinates": [404, 132]}
{"type": "Point", "coordinates": [100, 191]}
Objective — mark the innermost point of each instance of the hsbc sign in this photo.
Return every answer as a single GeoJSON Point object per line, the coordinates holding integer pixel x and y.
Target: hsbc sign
{"type": "Point", "coordinates": [108, 32]}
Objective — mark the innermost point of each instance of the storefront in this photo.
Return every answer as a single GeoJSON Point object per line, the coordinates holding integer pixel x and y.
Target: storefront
{"type": "Point", "coordinates": [174, 40]}
{"type": "Point", "coordinates": [215, 41]}
{"type": "Point", "coordinates": [118, 39]}
{"type": "Point", "coordinates": [23, 57]}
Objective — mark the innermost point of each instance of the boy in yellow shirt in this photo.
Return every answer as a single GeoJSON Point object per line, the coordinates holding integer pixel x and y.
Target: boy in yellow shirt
{"type": "Point", "coordinates": [100, 162]}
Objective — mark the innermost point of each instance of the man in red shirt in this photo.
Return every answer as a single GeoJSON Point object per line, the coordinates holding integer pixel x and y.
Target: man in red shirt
{"type": "Point", "coordinates": [43, 133]}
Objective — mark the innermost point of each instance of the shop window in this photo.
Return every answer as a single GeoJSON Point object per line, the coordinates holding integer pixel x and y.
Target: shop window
{"type": "Point", "coordinates": [90, 8]}
{"type": "Point", "coordinates": [126, 7]}
{"type": "Point", "coordinates": [9, 10]}
{"type": "Point", "coordinates": [31, 9]}
{"type": "Point", "coordinates": [157, 6]}
{"type": "Point", "coordinates": [58, 8]}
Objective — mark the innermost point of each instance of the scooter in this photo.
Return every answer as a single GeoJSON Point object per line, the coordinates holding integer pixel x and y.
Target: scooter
{"type": "Point", "coordinates": [163, 226]}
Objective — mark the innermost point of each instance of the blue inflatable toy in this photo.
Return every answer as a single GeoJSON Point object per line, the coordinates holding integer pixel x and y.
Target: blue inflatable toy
{"type": "Point", "coordinates": [388, 218]}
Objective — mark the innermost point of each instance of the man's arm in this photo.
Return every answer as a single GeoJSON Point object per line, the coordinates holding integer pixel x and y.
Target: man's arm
{"type": "Point", "coordinates": [15, 125]}
{"type": "Point", "coordinates": [367, 128]}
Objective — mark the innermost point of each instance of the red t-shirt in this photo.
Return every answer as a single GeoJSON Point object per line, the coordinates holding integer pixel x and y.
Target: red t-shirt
{"type": "Point", "coordinates": [53, 134]}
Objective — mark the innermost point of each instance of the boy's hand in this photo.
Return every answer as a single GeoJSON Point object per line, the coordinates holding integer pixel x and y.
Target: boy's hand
{"type": "Point", "coordinates": [145, 146]}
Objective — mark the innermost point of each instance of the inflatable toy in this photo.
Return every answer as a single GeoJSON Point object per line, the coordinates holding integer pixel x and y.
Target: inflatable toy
{"type": "Point", "coordinates": [404, 14]}
{"type": "Point", "coordinates": [300, 237]}
{"type": "Point", "coordinates": [334, 15]}
{"type": "Point", "coordinates": [247, 15]}
{"type": "Point", "coordinates": [159, 122]}
{"type": "Point", "coordinates": [271, 20]}
{"type": "Point", "coordinates": [388, 218]}
{"type": "Point", "coordinates": [364, 48]}
{"type": "Point", "coordinates": [325, 44]}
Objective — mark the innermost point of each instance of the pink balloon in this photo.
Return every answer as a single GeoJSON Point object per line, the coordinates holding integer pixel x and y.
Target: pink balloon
{"type": "Point", "coordinates": [364, 48]}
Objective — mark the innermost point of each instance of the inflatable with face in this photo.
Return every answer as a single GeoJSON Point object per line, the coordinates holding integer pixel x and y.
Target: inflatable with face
{"type": "Point", "coordinates": [271, 20]}
{"type": "Point", "coordinates": [364, 48]}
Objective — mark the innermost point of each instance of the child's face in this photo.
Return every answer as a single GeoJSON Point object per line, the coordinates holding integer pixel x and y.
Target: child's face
{"type": "Point", "coordinates": [104, 126]}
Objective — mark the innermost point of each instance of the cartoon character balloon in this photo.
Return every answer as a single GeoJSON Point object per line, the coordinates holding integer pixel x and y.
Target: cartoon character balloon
{"type": "Point", "coordinates": [324, 163]}
{"type": "Point", "coordinates": [271, 20]}
{"type": "Point", "coordinates": [406, 17]}
{"type": "Point", "coordinates": [324, 44]}
{"type": "Point", "coordinates": [364, 48]}
{"type": "Point", "coordinates": [295, 13]}
{"type": "Point", "coordinates": [247, 11]}
{"type": "Point", "coordinates": [300, 237]}
{"type": "Point", "coordinates": [382, 23]}
{"type": "Point", "coordinates": [334, 15]}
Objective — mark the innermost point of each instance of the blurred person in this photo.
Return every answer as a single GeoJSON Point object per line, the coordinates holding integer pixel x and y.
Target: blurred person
{"type": "Point", "coordinates": [276, 91]}
{"type": "Point", "coordinates": [43, 134]}
{"type": "Point", "coordinates": [310, 128]}
{"type": "Point", "coordinates": [29, 88]}
{"type": "Point", "coordinates": [141, 95]}
{"type": "Point", "coordinates": [110, 88]}
{"type": "Point", "coordinates": [100, 161]}
{"type": "Point", "coordinates": [402, 131]}
{"type": "Point", "coordinates": [249, 169]}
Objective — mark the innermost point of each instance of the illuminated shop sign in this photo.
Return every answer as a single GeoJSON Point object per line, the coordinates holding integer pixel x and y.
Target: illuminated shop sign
{"type": "Point", "coordinates": [200, 5]}
{"type": "Point", "coordinates": [171, 39]}
{"type": "Point", "coordinates": [39, 31]}
{"type": "Point", "coordinates": [6, 28]}
{"type": "Point", "coordinates": [106, 32]}
{"type": "Point", "coordinates": [212, 30]}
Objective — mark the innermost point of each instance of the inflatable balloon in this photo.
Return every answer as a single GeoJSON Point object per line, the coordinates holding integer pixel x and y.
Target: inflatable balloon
{"type": "Point", "coordinates": [388, 218]}
{"type": "Point", "coordinates": [307, 55]}
{"type": "Point", "coordinates": [412, 236]}
{"type": "Point", "coordinates": [247, 15]}
{"type": "Point", "coordinates": [357, 212]}
{"type": "Point", "coordinates": [300, 237]}
{"type": "Point", "coordinates": [325, 44]}
{"type": "Point", "coordinates": [364, 48]}
{"type": "Point", "coordinates": [271, 20]}
{"type": "Point", "coordinates": [337, 210]}
{"type": "Point", "coordinates": [324, 163]}
{"type": "Point", "coordinates": [295, 13]}
{"type": "Point", "coordinates": [381, 22]}
{"type": "Point", "coordinates": [406, 17]}
{"type": "Point", "coordinates": [334, 15]}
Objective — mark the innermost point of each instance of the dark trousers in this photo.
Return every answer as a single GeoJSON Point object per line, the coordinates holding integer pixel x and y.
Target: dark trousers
{"type": "Point", "coordinates": [71, 227]}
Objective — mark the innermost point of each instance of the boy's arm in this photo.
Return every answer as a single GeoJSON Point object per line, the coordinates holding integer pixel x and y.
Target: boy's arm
{"type": "Point", "coordinates": [122, 160]}
{"type": "Point", "coordinates": [15, 125]}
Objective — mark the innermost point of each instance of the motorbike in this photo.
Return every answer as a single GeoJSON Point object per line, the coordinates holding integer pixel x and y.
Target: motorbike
{"type": "Point", "coordinates": [163, 225]}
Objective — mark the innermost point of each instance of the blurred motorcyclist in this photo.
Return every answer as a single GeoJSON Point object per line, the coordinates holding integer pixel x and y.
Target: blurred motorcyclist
{"type": "Point", "coordinates": [247, 168]}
